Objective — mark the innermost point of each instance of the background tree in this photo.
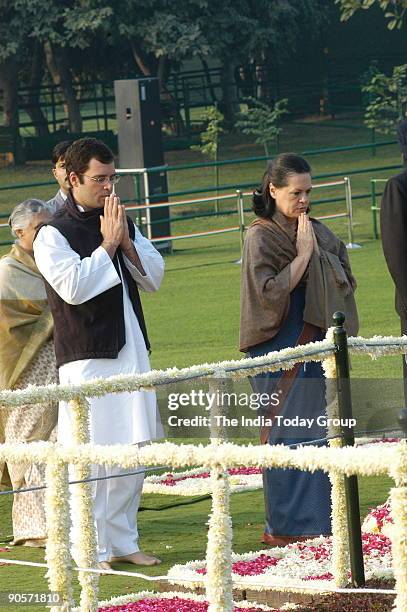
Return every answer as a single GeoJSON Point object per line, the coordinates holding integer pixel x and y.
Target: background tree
{"type": "Point", "coordinates": [394, 10]}
{"type": "Point", "coordinates": [242, 31]}
{"type": "Point", "coordinates": [12, 35]}
{"type": "Point", "coordinates": [388, 100]}
{"type": "Point", "coordinates": [62, 26]}
{"type": "Point", "coordinates": [262, 122]}
{"type": "Point", "coordinates": [67, 41]}
{"type": "Point", "coordinates": [210, 141]}
{"type": "Point", "coordinates": [161, 32]}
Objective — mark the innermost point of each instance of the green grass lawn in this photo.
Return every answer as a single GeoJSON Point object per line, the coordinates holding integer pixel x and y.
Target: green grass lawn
{"type": "Point", "coordinates": [194, 318]}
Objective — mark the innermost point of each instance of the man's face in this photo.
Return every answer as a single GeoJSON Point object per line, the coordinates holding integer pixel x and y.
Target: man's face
{"type": "Point", "coordinates": [59, 173]}
{"type": "Point", "coordinates": [91, 194]}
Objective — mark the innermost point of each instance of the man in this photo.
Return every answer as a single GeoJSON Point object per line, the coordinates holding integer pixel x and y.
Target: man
{"type": "Point", "coordinates": [94, 260]}
{"type": "Point", "coordinates": [59, 172]}
{"type": "Point", "coordinates": [393, 220]}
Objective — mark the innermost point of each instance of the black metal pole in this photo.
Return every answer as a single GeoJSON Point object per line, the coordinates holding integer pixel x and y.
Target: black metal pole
{"type": "Point", "coordinates": [351, 482]}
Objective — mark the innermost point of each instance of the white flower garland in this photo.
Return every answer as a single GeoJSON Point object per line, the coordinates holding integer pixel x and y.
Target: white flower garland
{"type": "Point", "coordinates": [363, 461]}
{"type": "Point", "coordinates": [219, 547]}
{"type": "Point", "coordinates": [289, 574]}
{"type": "Point", "coordinates": [83, 534]}
{"type": "Point", "coordinates": [398, 497]}
{"type": "Point", "coordinates": [340, 552]}
{"type": "Point", "coordinates": [276, 360]}
{"type": "Point", "coordinates": [57, 553]}
{"type": "Point", "coordinates": [350, 460]}
{"type": "Point", "coordinates": [398, 502]}
{"type": "Point", "coordinates": [216, 457]}
{"type": "Point", "coordinates": [188, 483]}
{"type": "Point", "coordinates": [199, 486]}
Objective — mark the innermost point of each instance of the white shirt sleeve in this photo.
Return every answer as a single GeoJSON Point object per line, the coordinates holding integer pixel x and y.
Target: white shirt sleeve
{"type": "Point", "coordinates": [75, 280]}
{"type": "Point", "coordinates": [151, 260]}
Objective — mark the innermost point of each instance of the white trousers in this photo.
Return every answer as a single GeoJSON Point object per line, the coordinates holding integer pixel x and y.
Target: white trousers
{"type": "Point", "coordinates": [115, 507]}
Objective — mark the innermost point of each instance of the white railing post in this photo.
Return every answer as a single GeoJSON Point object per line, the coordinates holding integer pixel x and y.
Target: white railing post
{"type": "Point", "coordinates": [219, 591]}
{"type": "Point", "coordinates": [240, 216]}
{"type": "Point", "coordinates": [398, 504]}
{"type": "Point", "coordinates": [349, 208]}
{"type": "Point", "coordinates": [57, 553]}
{"type": "Point", "coordinates": [84, 529]}
{"type": "Point", "coordinates": [147, 203]}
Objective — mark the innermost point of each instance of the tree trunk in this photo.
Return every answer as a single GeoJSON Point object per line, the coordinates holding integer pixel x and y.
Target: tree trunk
{"type": "Point", "coordinates": [143, 60]}
{"type": "Point", "coordinates": [9, 85]}
{"type": "Point", "coordinates": [33, 99]}
{"type": "Point", "coordinates": [151, 67]}
{"type": "Point", "coordinates": [58, 66]}
{"type": "Point", "coordinates": [208, 79]}
{"type": "Point", "coordinates": [229, 106]}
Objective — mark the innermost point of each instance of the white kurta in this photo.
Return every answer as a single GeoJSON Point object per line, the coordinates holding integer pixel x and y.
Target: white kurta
{"type": "Point", "coordinates": [125, 418]}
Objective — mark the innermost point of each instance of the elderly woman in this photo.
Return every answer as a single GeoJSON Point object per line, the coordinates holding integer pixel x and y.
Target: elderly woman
{"type": "Point", "coordinates": [295, 274]}
{"type": "Point", "coordinates": [26, 358]}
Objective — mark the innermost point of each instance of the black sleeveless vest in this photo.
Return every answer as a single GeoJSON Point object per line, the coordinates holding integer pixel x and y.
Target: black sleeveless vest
{"type": "Point", "coordinates": [94, 329]}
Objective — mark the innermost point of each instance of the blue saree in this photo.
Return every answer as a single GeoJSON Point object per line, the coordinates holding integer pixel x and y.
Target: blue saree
{"type": "Point", "coordinates": [297, 503]}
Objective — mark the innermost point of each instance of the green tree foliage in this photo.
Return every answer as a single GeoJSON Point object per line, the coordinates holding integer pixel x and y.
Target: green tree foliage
{"type": "Point", "coordinates": [210, 140]}
{"type": "Point", "coordinates": [66, 23]}
{"type": "Point", "coordinates": [160, 33]}
{"type": "Point", "coordinates": [210, 137]}
{"type": "Point", "coordinates": [92, 39]}
{"type": "Point", "coordinates": [58, 26]}
{"type": "Point", "coordinates": [262, 121]}
{"type": "Point", "coordinates": [388, 100]}
{"type": "Point", "coordinates": [394, 10]}
{"type": "Point", "coordinates": [243, 31]}
{"type": "Point", "coordinates": [13, 31]}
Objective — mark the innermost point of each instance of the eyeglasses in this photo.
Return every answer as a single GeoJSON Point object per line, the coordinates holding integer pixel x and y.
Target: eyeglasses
{"type": "Point", "coordinates": [104, 180]}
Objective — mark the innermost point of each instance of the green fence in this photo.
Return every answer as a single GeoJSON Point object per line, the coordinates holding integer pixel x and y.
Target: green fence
{"type": "Point", "coordinates": [141, 176]}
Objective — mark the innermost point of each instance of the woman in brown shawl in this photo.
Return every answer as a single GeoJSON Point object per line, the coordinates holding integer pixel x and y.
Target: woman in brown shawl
{"type": "Point", "coordinates": [26, 358]}
{"type": "Point", "coordinates": [295, 274]}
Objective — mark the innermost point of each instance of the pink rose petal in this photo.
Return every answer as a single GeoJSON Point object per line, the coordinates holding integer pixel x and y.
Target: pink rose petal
{"type": "Point", "coordinates": [163, 604]}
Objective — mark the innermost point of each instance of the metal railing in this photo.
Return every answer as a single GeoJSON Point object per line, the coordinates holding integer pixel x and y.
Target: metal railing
{"type": "Point", "coordinates": [239, 195]}
{"type": "Point", "coordinates": [374, 208]}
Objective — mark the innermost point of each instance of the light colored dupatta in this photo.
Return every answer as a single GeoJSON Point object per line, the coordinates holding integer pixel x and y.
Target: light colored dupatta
{"type": "Point", "coordinates": [25, 319]}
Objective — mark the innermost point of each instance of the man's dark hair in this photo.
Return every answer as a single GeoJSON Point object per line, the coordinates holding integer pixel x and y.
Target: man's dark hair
{"type": "Point", "coordinates": [82, 151]}
{"type": "Point", "coordinates": [59, 151]}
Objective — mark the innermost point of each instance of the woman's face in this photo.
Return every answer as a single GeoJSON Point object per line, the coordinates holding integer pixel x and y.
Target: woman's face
{"type": "Point", "coordinates": [26, 236]}
{"type": "Point", "coordinates": [293, 199]}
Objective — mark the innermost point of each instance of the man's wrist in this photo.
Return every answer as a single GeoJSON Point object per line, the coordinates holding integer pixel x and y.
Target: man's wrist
{"type": "Point", "coordinates": [127, 247]}
{"type": "Point", "coordinates": [110, 247]}
{"type": "Point", "coordinates": [109, 244]}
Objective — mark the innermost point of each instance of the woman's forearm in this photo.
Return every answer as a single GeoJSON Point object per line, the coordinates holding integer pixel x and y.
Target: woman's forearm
{"type": "Point", "coordinates": [297, 270]}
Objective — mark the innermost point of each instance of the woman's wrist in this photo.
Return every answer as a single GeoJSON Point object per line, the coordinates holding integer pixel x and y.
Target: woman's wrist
{"type": "Point", "coordinates": [303, 257]}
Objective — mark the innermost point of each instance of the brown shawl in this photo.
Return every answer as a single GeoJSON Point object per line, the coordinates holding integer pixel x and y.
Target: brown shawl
{"type": "Point", "coordinates": [269, 248]}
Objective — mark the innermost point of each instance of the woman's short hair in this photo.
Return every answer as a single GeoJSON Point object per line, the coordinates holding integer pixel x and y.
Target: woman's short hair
{"type": "Point", "coordinates": [278, 172]}
{"type": "Point", "coordinates": [22, 214]}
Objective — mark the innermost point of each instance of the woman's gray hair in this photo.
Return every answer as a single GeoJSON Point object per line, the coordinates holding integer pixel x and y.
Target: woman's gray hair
{"type": "Point", "coordinates": [22, 214]}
